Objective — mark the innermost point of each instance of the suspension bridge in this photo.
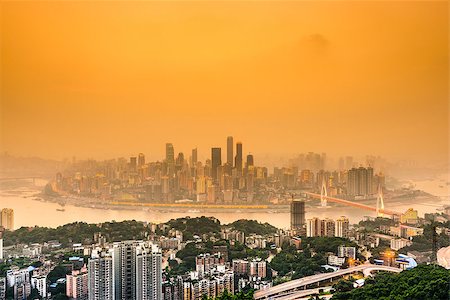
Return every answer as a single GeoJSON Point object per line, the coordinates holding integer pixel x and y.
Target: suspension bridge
{"type": "Point", "coordinates": [379, 209]}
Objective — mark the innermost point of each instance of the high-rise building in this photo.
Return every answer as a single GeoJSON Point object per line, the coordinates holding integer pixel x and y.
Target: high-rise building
{"type": "Point", "coordinates": [133, 163]}
{"type": "Point", "coordinates": [313, 227]}
{"type": "Point", "coordinates": [77, 284]}
{"type": "Point", "coordinates": [238, 158]}
{"type": "Point", "coordinates": [124, 269]}
{"type": "Point", "coordinates": [141, 159]}
{"type": "Point", "coordinates": [170, 159]}
{"type": "Point", "coordinates": [230, 151]}
{"type": "Point", "coordinates": [216, 162]}
{"type": "Point", "coordinates": [297, 215]}
{"type": "Point", "coordinates": [194, 157]}
{"type": "Point", "coordinates": [250, 162]}
{"type": "Point", "coordinates": [100, 276]}
{"type": "Point", "coordinates": [39, 282]}
{"type": "Point", "coordinates": [148, 272]}
{"type": "Point", "coordinates": [327, 228]}
{"type": "Point", "coordinates": [7, 218]}
{"type": "Point", "coordinates": [170, 153]}
{"type": "Point", "coordinates": [360, 182]}
{"type": "Point", "coordinates": [342, 227]}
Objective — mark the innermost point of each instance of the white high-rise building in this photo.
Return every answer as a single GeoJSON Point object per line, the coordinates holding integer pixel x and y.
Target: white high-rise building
{"type": "Point", "coordinates": [124, 269]}
{"type": "Point", "coordinates": [100, 275]}
{"type": "Point", "coordinates": [313, 227]}
{"type": "Point", "coordinates": [148, 272]}
{"type": "Point", "coordinates": [40, 283]}
{"type": "Point", "coordinates": [342, 227]}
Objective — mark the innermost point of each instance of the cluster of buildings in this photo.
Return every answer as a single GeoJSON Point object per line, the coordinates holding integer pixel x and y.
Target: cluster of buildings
{"type": "Point", "coordinates": [343, 254]}
{"type": "Point", "coordinates": [235, 179]}
{"type": "Point", "coordinates": [328, 227]}
{"type": "Point", "coordinates": [125, 270]}
{"type": "Point", "coordinates": [22, 281]}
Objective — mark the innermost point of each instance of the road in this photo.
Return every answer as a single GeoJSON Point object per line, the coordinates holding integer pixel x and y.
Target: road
{"type": "Point", "coordinates": [305, 281]}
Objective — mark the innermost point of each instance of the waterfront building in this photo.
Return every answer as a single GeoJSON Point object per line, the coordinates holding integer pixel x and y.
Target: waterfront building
{"type": "Point", "coordinates": [7, 218]}
{"type": "Point", "coordinates": [238, 159]}
{"type": "Point", "coordinates": [297, 215]}
{"type": "Point", "coordinates": [230, 146]}
{"type": "Point", "coordinates": [216, 162]}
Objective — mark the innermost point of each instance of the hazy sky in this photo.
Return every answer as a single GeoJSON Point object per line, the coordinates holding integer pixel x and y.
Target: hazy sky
{"type": "Point", "coordinates": [104, 79]}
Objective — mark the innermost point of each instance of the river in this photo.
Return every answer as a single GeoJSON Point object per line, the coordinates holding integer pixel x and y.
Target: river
{"type": "Point", "coordinates": [31, 212]}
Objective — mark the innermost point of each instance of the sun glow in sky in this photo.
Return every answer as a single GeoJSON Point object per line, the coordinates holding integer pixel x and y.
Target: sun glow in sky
{"type": "Point", "coordinates": [103, 79]}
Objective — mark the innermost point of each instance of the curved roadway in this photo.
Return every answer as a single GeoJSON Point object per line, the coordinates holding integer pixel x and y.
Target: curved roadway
{"type": "Point", "coordinates": [303, 282]}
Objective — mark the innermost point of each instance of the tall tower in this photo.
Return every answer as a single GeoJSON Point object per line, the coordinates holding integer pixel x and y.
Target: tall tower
{"type": "Point", "coordinates": [170, 153]}
{"type": "Point", "coordinates": [342, 227]}
{"type": "Point", "coordinates": [148, 272]}
{"type": "Point", "coordinates": [297, 215]}
{"type": "Point", "coordinates": [100, 277]}
{"type": "Point", "coordinates": [238, 158]}
{"type": "Point", "coordinates": [230, 151]}
{"type": "Point", "coordinates": [250, 160]}
{"type": "Point", "coordinates": [216, 161]}
{"type": "Point", "coordinates": [141, 159]}
{"type": "Point", "coordinates": [194, 157]}
{"type": "Point", "coordinates": [170, 159]}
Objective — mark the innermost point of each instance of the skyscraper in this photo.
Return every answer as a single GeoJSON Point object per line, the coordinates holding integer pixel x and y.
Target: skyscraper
{"type": "Point", "coordinates": [124, 269]}
{"type": "Point", "coordinates": [194, 157]}
{"type": "Point", "coordinates": [133, 163]}
{"type": "Point", "coordinates": [360, 182]}
{"type": "Point", "coordinates": [249, 160]}
{"type": "Point", "coordinates": [342, 227]}
{"type": "Point", "coordinates": [170, 153]}
{"type": "Point", "coordinates": [141, 159]}
{"type": "Point", "coordinates": [137, 271]}
{"type": "Point", "coordinates": [230, 151]}
{"type": "Point", "coordinates": [297, 215]}
{"type": "Point", "coordinates": [238, 158]}
{"type": "Point", "coordinates": [170, 159]}
{"type": "Point", "coordinates": [100, 276]}
{"type": "Point", "coordinates": [148, 272]}
{"type": "Point", "coordinates": [216, 161]}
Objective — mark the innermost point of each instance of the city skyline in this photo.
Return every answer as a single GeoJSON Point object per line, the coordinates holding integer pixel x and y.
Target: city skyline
{"type": "Point", "coordinates": [269, 73]}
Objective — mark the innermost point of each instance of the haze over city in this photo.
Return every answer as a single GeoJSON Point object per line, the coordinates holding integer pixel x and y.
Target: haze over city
{"type": "Point", "coordinates": [102, 80]}
{"type": "Point", "coordinates": [224, 150]}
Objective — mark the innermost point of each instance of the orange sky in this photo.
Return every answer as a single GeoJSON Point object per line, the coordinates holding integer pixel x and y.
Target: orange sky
{"type": "Point", "coordinates": [104, 79]}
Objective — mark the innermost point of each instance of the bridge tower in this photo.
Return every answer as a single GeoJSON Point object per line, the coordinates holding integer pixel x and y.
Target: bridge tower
{"type": "Point", "coordinates": [323, 194]}
{"type": "Point", "coordinates": [380, 201]}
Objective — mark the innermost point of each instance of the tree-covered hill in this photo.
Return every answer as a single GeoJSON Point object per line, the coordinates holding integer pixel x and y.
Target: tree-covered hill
{"type": "Point", "coordinates": [78, 232]}
{"type": "Point", "coordinates": [428, 282]}
{"type": "Point", "coordinates": [253, 227]}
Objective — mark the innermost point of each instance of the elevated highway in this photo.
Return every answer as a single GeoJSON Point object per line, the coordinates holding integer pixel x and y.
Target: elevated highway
{"type": "Point", "coordinates": [297, 285]}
